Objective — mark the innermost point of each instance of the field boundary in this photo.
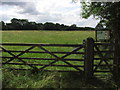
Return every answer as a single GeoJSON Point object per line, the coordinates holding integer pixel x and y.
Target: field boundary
{"type": "Point", "coordinates": [92, 53]}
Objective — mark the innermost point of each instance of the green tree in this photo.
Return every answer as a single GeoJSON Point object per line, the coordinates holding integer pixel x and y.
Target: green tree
{"type": "Point", "coordinates": [49, 26]}
{"type": "Point", "coordinates": [15, 23]}
{"type": "Point", "coordinates": [109, 15]}
{"type": "Point", "coordinates": [107, 12]}
{"type": "Point", "coordinates": [72, 27]}
{"type": "Point", "coordinates": [3, 25]}
{"type": "Point", "coordinates": [39, 26]}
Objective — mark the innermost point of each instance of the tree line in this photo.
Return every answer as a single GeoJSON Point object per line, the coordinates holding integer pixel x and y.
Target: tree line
{"type": "Point", "coordinates": [24, 24]}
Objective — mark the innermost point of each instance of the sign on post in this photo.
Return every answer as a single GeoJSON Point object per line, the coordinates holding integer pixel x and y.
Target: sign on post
{"type": "Point", "coordinates": [102, 35]}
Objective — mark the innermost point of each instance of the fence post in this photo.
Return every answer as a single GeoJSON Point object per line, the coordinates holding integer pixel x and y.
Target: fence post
{"type": "Point", "coordinates": [116, 61]}
{"type": "Point", "coordinates": [89, 58]}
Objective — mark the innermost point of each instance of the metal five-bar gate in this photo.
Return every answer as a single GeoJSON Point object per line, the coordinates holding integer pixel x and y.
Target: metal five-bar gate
{"type": "Point", "coordinates": [88, 58]}
{"type": "Point", "coordinates": [26, 57]}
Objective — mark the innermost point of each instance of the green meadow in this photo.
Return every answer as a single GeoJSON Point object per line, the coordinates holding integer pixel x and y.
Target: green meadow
{"type": "Point", "coordinates": [49, 37]}
{"type": "Point", "coordinates": [27, 79]}
{"type": "Point", "coordinates": [53, 37]}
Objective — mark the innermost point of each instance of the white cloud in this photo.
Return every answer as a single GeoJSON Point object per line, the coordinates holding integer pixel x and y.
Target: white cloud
{"type": "Point", "coordinates": [90, 22]}
{"type": "Point", "coordinates": [57, 11]}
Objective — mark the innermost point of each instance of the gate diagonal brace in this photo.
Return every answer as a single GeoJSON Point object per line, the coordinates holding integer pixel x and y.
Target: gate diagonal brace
{"type": "Point", "coordinates": [17, 56]}
{"type": "Point", "coordinates": [60, 58]}
{"type": "Point", "coordinates": [102, 59]}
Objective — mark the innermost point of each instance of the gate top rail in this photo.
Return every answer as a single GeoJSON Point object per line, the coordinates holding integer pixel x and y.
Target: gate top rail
{"type": "Point", "coordinates": [24, 44]}
{"type": "Point", "coordinates": [108, 43]}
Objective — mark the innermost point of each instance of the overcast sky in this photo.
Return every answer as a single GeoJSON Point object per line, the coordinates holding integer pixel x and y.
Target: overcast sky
{"type": "Point", "coordinates": [56, 11]}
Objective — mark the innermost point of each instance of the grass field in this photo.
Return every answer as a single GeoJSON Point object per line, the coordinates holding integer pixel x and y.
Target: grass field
{"type": "Point", "coordinates": [24, 79]}
{"type": "Point", "coordinates": [65, 37]}
{"type": "Point", "coordinates": [52, 37]}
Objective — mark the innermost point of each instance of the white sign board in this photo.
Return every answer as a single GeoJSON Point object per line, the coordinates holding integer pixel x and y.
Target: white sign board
{"type": "Point", "coordinates": [103, 35]}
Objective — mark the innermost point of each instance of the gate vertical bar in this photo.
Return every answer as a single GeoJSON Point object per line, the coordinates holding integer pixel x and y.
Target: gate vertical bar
{"type": "Point", "coordinates": [116, 61]}
{"type": "Point", "coordinates": [89, 58]}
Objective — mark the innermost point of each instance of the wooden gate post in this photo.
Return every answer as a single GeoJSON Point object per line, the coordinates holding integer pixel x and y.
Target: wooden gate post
{"type": "Point", "coordinates": [89, 58]}
{"type": "Point", "coordinates": [116, 61]}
